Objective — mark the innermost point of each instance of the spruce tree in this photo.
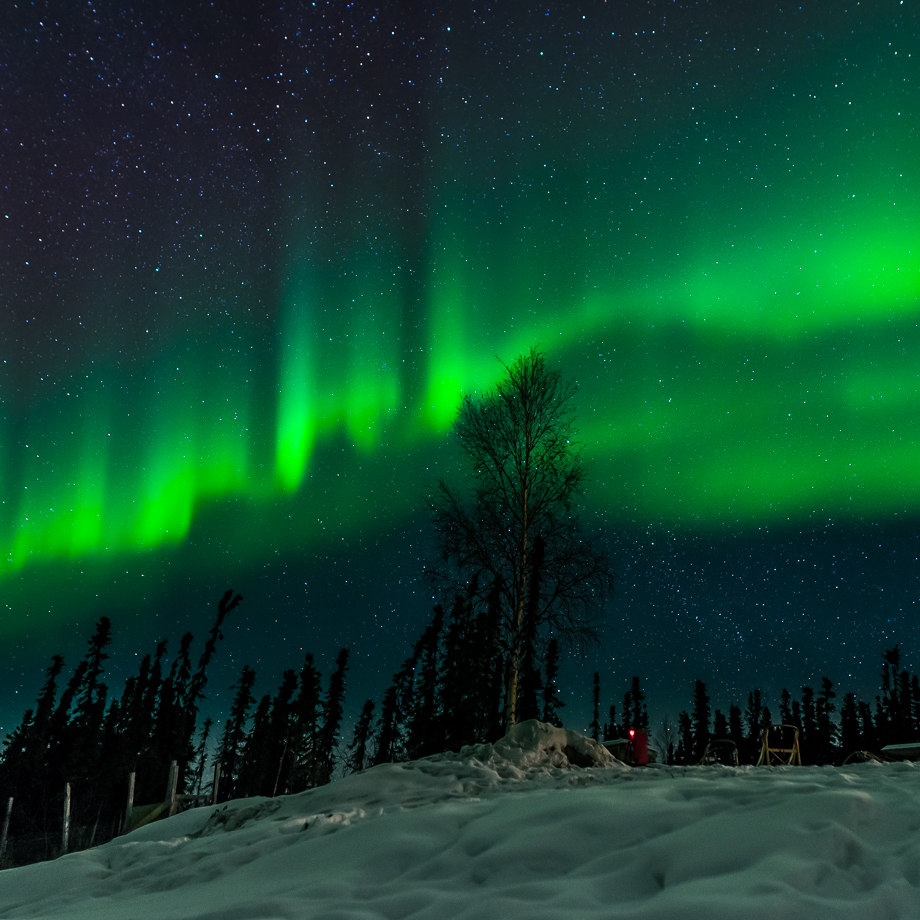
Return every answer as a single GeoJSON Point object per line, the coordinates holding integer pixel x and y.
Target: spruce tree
{"type": "Point", "coordinates": [388, 731]}
{"type": "Point", "coordinates": [826, 733]}
{"type": "Point", "coordinates": [882, 723]}
{"type": "Point", "coordinates": [594, 729]}
{"type": "Point", "coordinates": [61, 718]}
{"type": "Point", "coordinates": [850, 735]}
{"type": "Point", "coordinates": [333, 707]}
{"type": "Point", "coordinates": [635, 711]}
{"type": "Point", "coordinates": [867, 729]}
{"type": "Point", "coordinates": [252, 765]}
{"type": "Point", "coordinates": [754, 717]}
{"type": "Point", "coordinates": [278, 755]}
{"type": "Point", "coordinates": [785, 708]}
{"type": "Point", "coordinates": [473, 669]}
{"type": "Point", "coordinates": [29, 769]}
{"type": "Point", "coordinates": [736, 732]}
{"type": "Point", "coordinates": [180, 733]}
{"type": "Point", "coordinates": [611, 729]}
{"type": "Point", "coordinates": [425, 732]}
{"type": "Point", "coordinates": [684, 738]}
{"type": "Point", "coordinates": [235, 732]}
{"type": "Point", "coordinates": [161, 745]}
{"type": "Point", "coordinates": [891, 666]}
{"type": "Point", "coordinates": [551, 702]}
{"type": "Point", "coordinates": [360, 742]}
{"type": "Point", "coordinates": [809, 733]}
{"type": "Point", "coordinates": [700, 721]}
{"type": "Point", "coordinates": [461, 668]}
{"type": "Point", "coordinates": [90, 700]}
{"type": "Point", "coordinates": [915, 704]}
{"type": "Point", "coordinates": [530, 686]}
{"type": "Point", "coordinates": [490, 717]}
{"type": "Point", "coordinates": [304, 730]}
{"type": "Point", "coordinates": [135, 724]}
{"type": "Point", "coordinates": [201, 755]}
{"type": "Point", "coordinates": [34, 736]}
{"type": "Point", "coordinates": [640, 709]}
{"type": "Point", "coordinates": [84, 721]}
{"type": "Point", "coordinates": [198, 681]}
{"type": "Point", "coordinates": [900, 710]}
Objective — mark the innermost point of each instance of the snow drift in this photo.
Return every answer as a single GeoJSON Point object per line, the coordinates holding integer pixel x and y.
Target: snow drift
{"type": "Point", "coordinates": [543, 824]}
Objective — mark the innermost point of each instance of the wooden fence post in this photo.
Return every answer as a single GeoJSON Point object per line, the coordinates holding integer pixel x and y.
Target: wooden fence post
{"type": "Point", "coordinates": [280, 765]}
{"type": "Point", "coordinates": [6, 827]}
{"type": "Point", "coordinates": [216, 783]}
{"type": "Point", "coordinates": [171, 789]}
{"type": "Point", "coordinates": [65, 842]}
{"type": "Point", "coordinates": [130, 805]}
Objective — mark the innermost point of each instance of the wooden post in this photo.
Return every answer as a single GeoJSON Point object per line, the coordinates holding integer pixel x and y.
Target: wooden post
{"type": "Point", "coordinates": [171, 789]}
{"type": "Point", "coordinates": [130, 805]}
{"type": "Point", "coordinates": [280, 765]}
{"type": "Point", "coordinates": [6, 827]}
{"type": "Point", "coordinates": [216, 783]}
{"type": "Point", "coordinates": [65, 841]}
{"type": "Point", "coordinates": [92, 836]}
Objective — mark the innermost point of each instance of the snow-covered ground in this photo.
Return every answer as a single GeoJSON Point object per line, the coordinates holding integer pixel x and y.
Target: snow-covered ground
{"type": "Point", "coordinates": [515, 831]}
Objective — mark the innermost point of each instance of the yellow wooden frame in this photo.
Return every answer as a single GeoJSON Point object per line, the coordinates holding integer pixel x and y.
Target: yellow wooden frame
{"type": "Point", "coordinates": [774, 756]}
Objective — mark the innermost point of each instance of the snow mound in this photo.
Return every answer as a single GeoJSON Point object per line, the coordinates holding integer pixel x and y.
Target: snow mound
{"type": "Point", "coordinates": [535, 745]}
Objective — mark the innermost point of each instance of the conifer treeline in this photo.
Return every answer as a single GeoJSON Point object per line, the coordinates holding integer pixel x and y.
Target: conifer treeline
{"type": "Point", "coordinates": [825, 736]}
{"type": "Point", "coordinates": [451, 690]}
{"type": "Point", "coordinates": [448, 693]}
{"type": "Point", "coordinates": [635, 713]}
{"type": "Point", "coordinates": [84, 738]}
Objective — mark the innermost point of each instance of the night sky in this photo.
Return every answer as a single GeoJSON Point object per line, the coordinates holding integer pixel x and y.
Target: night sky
{"type": "Point", "coordinates": [252, 254]}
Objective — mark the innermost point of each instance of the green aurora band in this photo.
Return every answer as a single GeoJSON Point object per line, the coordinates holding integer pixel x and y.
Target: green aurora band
{"type": "Point", "coordinates": [737, 297]}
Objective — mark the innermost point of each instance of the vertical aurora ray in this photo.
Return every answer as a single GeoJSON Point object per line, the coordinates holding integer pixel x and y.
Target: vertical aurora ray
{"type": "Point", "coordinates": [339, 366]}
{"type": "Point", "coordinates": [62, 467]}
{"type": "Point", "coordinates": [199, 437]}
{"type": "Point", "coordinates": [166, 480]}
{"type": "Point", "coordinates": [297, 403]}
{"type": "Point", "coordinates": [372, 346]}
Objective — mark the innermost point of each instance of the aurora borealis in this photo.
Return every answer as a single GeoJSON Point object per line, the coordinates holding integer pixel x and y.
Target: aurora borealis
{"type": "Point", "coordinates": [253, 255]}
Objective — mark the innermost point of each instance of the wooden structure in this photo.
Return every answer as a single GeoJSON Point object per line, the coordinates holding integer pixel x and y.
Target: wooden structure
{"type": "Point", "coordinates": [138, 815]}
{"type": "Point", "coordinates": [910, 751]}
{"type": "Point", "coordinates": [6, 828]}
{"type": "Point", "coordinates": [780, 746]}
{"type": "Point", "coordinates": [720, 751]}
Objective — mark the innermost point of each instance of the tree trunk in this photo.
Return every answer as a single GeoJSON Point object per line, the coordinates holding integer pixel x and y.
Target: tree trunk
{"type": "Point", "coordinates": [514, 660]}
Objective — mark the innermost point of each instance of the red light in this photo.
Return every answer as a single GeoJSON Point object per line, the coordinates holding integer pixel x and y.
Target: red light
{"type": "Point", "coordinates": [632, 733]}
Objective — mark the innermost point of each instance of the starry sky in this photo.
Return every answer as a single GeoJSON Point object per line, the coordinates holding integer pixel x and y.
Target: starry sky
{"type": "Point", "coordinates": [253, 254]}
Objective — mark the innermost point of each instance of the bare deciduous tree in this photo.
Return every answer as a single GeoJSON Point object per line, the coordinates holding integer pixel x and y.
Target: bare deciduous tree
{"type": "Point", "coordinates": [514, 523]}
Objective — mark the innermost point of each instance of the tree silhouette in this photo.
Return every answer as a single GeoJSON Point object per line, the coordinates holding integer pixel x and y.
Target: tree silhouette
{"type": "Point", "coordinates": [523, 478]}
{"type": "Point", "coordinates": [297, 775]}
{"type": "Point", "coordinates": [358, 749]}
{"type": "Point", "coordinates": [333, 707]}
{"type": "Point", "coordinates": [235, 732]}
{"type": "Point", "coordinates": [594, 729]}
{"type": "Point", "coordinates": [551, 702]}
{"type": "Point", "coordinates": [700, 721]}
